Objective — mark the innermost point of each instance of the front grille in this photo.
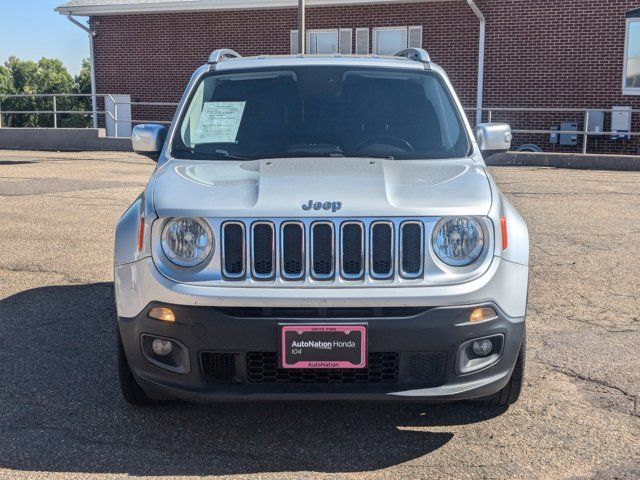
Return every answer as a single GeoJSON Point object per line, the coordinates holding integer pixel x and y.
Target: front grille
{"type": "Point", "coordinates": [262, 367]}
{"type": "Point", "coordinates": [292, 250]}
{"type": "Point", "coordinates": [352, 248]}
{"type": "Point", "coordinates": [322, 250]}
{"type": "Point", "coordinates": [318, 252]}
{"type": "Point", "coordinates": [411, 253]}
{"type": "Point", "coordinates": [219, 366]}
{"type": "Point", "coordinates": [382, 250]}
{"type": "Point", "coordinates": [233, 249]}
{"type": "Point", "coordinates": [263, 251]}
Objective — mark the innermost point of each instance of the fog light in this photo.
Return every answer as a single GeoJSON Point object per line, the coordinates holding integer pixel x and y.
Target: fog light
{"type": "Point", "coordinates": [482, 314]}
{"type": "Point", "coordinates": [162, 348]}
{"type": "Point", "coordinates": [162, 313]}
{"type": "Point", "coordinates": [482, 348]}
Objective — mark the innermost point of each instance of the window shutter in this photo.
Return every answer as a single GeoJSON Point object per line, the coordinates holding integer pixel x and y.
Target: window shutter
{"type": "Point", "coordinates": [362, 41]}
{"type": "Point", "coordinates": [345, 41]}
{"type": "Point", "coordinates": [405, 36]}
{"type": "Point", "coordinates": [294, 41]}
{"type": "Point", "coordinates": [415, 37]}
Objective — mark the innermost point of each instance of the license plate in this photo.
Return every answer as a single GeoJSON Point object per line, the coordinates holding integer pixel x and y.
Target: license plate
{"type": "Point", "coordinates": [323, 346]}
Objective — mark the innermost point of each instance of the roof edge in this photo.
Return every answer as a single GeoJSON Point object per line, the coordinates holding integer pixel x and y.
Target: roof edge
{"type": "Point", "coordinates": [211, 5]}
{"type": "Point", "coordinates": [635, 13]}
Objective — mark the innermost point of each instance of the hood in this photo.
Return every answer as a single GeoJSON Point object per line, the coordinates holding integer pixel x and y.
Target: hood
{"type": "Point", "coordinates": [340, 187]}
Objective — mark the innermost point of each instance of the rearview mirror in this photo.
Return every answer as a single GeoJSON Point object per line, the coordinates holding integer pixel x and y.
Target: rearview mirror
{"type": "Point", "coordinates": [493, 138]}
{"type": "Point", "coordinates": [148, 139]}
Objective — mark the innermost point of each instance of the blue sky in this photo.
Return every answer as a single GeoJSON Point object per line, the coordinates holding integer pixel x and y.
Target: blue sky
{"type": "Point", "coordinates": [30, 29]}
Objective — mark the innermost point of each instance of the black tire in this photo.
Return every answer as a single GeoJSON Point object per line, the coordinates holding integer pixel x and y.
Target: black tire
{"type": "Point", "coordinates": [131, 391]}
{"type": "Point", "coordinates": [511, 392]}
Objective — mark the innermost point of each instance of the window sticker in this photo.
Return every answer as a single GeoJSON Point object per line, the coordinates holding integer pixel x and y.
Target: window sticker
{"type": "Point", "coordinates": [219, 122]}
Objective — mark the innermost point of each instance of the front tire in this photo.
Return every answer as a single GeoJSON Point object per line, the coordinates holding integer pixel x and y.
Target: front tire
{"type": "Point", "coordinates": [131, 391]}
{"type": "Point", "coordinates": [511, 392]}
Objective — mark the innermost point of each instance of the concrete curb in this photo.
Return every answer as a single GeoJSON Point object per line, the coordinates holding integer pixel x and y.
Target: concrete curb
{"type": "Point", "coordinates": [61, 140]}
{"type": "Point", "coordinates": [625, 163]}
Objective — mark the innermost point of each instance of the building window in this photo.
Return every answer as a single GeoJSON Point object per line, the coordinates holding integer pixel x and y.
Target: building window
{"type": "Point", "coordinates": [631, 81]}
{"type": "Point", "coordinates": [391, 40]}
{"type": "Point", "coordinates": [322, 41]}
{"type": "Point", "coordinates": [325, 41]}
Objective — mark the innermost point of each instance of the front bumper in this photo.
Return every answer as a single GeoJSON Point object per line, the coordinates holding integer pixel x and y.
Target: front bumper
{"type": "Point", "coordinates": [423, 335]}
{"type": "Point", "coordinates": [139, 283]}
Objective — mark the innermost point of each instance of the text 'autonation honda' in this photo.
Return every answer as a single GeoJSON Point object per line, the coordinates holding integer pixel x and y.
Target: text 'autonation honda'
{"type": "Point", "coordinates": [321, 227]}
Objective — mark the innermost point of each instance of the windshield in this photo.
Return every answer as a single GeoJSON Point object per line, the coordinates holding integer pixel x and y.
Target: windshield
{"type": "Point", "coordinates": [321, 111]}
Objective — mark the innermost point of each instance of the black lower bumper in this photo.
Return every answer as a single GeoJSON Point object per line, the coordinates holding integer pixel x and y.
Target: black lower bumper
{"type": "Point", "coordinates": [232, 354]}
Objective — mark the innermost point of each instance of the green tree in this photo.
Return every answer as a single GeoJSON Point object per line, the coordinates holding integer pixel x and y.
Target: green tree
{"type": "Point", "coordinates": [83, 79]}
{"type": "Point", "coordinates": [81, 85]}
{"type": "Point", "coordinates": [6, 81]}
{"type": "Point", "coordinates": [43, 77]}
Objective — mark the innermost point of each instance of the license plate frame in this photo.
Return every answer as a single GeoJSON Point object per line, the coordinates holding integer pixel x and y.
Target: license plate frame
{"type": "Point", "coordinates": [318, 355]}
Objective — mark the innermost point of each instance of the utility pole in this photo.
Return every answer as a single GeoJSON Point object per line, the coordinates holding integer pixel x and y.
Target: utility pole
{"type": "Point", "coordinates": [301, 26]}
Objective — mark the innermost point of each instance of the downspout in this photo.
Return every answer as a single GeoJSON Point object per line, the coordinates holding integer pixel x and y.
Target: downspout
{"type": "Point", "coordinates": [92, 34]}
{"type": "Point", "coordinates": [481, 47]}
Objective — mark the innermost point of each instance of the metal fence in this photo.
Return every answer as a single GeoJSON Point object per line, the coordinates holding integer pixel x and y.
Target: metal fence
{"type": "Point", "coordinates": [95, 111]}
{"type": "Point", "coordinates": [585, 113]}
{"type": "Point", "coordinates": [116, 118]}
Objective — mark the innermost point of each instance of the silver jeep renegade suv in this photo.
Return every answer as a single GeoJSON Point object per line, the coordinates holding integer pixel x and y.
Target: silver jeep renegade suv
{"type": "Point", "coordinates": [321, 227]}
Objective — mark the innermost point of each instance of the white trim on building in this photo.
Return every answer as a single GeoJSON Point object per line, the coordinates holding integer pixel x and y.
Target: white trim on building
{"type": "Point", "coordinates": [120, 7]}
{"type": "Point", "coordinates": [635, 22]}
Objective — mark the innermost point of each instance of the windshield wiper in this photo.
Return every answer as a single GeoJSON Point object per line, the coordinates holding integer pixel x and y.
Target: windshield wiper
{"type": "Point", "coordinates": [200, 155]}
{"type": "Point", "coordinates": [226, 154]}
{"type": "Point", "coordinates": [381, 156]}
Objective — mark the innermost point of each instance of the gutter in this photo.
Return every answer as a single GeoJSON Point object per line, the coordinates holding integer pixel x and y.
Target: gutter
{"type": "Point", "coordinates": [481, 50]}
{"type": "Point", "coordinates": [105, 8]}
{"type": "Point", "coordinates": [92, 34]}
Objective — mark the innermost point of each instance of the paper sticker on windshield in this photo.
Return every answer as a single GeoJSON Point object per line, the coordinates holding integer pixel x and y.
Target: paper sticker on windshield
{"type": "Point", "coordinates": [219, 122]}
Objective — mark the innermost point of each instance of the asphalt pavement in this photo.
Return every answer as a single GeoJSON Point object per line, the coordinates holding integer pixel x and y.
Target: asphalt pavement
{"type": "Point", "coordinates": [62, 416]}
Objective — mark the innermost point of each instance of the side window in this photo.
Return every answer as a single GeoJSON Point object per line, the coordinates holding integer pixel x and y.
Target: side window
{"type": "Point", "coordinates": [631, 81]}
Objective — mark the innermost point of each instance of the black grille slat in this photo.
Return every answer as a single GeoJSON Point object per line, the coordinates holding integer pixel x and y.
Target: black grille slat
{"type": "Point", "coordinates": [263, 251]}
{"type": "Point", "coordinates": [219, 366]}
{"type": "Point", "coordinates": [352, 249]}
{"type": "Point", "coordinates": [322, 251]}
{"type": "Point", "coordinates": [293, 250]}
{"type": "Point", "coordinates": [382, 250]}
{"type": "Point", "coordinates": [233, 250]}
{"type": "Point", "coordinates": [382, 368]}
{"type": "Point", "coordinates": [426, 368]}
{"type": "Point", "coordinates": [411, 249]}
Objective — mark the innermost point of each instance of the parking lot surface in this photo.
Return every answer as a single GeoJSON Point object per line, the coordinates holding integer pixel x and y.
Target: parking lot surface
{"type": "Point", "coordinates": [61, 414]}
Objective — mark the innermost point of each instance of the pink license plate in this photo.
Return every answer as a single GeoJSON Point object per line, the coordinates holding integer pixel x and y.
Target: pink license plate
{"type": "Point", "coordinates": [323, 346]}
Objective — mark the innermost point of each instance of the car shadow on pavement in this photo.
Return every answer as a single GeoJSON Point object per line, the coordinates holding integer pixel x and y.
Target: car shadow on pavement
{"type": "Point", "coordinates": [62, 410]}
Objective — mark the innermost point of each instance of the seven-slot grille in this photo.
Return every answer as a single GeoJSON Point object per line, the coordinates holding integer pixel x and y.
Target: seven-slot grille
{"type": "Point", "coordinates": [322, 250]}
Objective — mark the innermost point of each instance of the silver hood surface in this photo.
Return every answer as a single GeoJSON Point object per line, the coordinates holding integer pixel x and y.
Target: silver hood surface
{"type": "Point", "coordinates": [279, 187]}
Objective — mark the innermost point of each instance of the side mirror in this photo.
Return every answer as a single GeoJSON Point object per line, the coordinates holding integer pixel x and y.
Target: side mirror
{"type": "Point", "coordinates": [149, 139]}
{"type": "Point", "coordinates": [493, 138]}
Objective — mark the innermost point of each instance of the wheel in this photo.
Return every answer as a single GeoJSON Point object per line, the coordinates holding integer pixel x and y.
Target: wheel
{"type": "Point", "coordinates": [511, 392]}
{"type": "Point", "coordinates": [131, 391]}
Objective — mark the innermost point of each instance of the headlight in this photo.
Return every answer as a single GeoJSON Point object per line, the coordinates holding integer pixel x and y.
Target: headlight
{"type": "Point", "coordinates": [458, 241]}
{"type": "Point", "coordinates": [187, 241]}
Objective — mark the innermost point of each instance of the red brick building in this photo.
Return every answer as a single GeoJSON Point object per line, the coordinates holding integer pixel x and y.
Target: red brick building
{"type": "Point", "coordinates": [582, 54]}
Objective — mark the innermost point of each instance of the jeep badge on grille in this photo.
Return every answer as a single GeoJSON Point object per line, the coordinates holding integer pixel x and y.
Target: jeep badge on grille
{"type": "Point", "coordinates": [333, 206]}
